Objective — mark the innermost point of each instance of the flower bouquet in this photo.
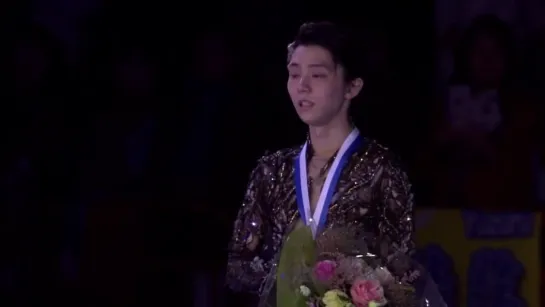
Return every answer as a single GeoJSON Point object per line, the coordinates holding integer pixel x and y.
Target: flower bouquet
{"type": "Point", "coordinates": [345, 268]}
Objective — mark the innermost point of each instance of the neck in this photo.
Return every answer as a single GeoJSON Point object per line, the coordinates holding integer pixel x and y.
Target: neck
{"type": "Point", "coordinates": [326, 140]}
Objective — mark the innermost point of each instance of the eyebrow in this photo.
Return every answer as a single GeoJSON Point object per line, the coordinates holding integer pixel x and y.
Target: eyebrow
{"type": "Point", "coordinates": [311, 65]}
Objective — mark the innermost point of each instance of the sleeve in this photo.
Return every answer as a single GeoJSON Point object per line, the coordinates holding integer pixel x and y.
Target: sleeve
{"type": "Point", "coordinates": [246, 268]}
{"type": "Point", "coordinates": [397, 210]}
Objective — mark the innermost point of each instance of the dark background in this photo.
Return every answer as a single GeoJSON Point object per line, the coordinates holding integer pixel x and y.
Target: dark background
{"type": "Point", "coordinates": [125, 158]}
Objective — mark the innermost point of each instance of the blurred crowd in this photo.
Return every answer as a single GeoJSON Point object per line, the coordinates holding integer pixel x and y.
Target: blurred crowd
{"type": "Point", "coordinates": [116, 164]}
{"type": "Point", "coordinates": [489, 122]}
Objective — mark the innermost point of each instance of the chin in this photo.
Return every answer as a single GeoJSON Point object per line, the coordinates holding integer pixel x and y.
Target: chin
{"type": "Point", "coordinates": [312, 121]}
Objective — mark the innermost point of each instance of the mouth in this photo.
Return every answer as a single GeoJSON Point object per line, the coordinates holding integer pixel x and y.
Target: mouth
{"type": "Point", "coordinates": [305, 104]}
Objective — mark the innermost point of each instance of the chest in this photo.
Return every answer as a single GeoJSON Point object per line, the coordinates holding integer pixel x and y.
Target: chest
{"type": "Point", "coordinates": [356, 197]}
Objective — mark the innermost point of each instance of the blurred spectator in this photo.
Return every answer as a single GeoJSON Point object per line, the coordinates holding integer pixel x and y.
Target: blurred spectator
{"type": "Point", "coordinates": [136, 92]}
{"type": "Point", "coordinates": [39, 136]}
{"type": "Point", "coordinates": [125, 90]}
{"type": "Point", "coordinates": [38, 74]}
{"type": "Point", "coordinates": [38, 57]}
{"type": "Point", "coordinates": [210, 97]}
{"type": "Point", "coordinates": [453, 16]}
{"type": "Point", "coordinates": [119, 239]}
{"type": "Point", "coordinates": [487, 128]}
{"type": "Point", "coordinates": [206, 94]}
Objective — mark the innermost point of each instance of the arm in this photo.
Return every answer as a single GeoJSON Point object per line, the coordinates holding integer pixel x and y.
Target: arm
{"type": "Point", "coordinates": [245, 267]}
{"type": "Point", "coordinates": [397, 210]}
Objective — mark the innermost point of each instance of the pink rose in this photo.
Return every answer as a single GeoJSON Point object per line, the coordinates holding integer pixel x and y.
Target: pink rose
{"type": "Point", "coordinates": [364, 291]}
{"type": "Point", "coordinates": [325, 270]}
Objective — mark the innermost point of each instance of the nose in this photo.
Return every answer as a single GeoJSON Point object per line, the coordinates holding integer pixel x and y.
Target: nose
{"type": "Point", "coordinates": [304, 84]}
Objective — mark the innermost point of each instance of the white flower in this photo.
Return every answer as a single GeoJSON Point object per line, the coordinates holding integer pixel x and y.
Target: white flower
{"type": "Point", "coordinates": [383, 275]}
{"type": "Point", "coordinates": [257, 264]}
{"type": "Point", "coordinates": [305, 291]}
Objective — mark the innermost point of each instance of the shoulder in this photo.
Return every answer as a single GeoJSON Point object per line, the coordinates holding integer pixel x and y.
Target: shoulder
{"type": "Point", "coordinates": [378, 155]}
{"type": "Point", "coordinates": [379, 165]}
{"type": "Point", "coordinates": [274, 161]}
{"type": "Point", "coordinates": [281, 155]}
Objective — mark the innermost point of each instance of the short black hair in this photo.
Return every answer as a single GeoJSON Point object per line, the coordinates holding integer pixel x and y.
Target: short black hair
{"type": "Point", "coordinates": [483, 26]}
{"type": "Point", "coordinates": [338, 40]}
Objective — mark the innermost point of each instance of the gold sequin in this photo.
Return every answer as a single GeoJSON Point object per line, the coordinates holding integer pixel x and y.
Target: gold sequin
{"type": "Point", "coordinates": [375, 194]}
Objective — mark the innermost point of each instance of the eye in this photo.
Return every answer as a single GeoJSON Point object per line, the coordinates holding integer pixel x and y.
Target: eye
{"type": "Point", "coordinates": [319, 76]}
{"type": "Point", "coordinates": [294, 76]}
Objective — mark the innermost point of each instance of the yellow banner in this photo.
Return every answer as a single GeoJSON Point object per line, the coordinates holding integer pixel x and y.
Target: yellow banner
{"type": "Point", "coordinates": [460, 235]}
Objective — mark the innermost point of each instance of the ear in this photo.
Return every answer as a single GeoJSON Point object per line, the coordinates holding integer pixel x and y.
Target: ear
{"type": "Point", "coordinates": [353, 88]}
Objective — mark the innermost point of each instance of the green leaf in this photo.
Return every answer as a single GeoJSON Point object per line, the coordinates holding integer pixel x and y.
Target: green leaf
{"type": "Point", "coordinates": [298, 251]}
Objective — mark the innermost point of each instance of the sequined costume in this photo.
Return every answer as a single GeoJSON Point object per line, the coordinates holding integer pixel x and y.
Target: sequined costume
{"type": "Point", "coordinates": [373, 191]}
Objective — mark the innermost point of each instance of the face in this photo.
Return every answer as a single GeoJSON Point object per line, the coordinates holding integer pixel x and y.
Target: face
{"type": "Point", "coordinates": [487, 61]}
{"type": "Point", "coordinates": [317, 86]}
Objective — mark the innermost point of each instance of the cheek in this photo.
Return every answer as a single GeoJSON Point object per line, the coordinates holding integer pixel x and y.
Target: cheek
{"type": "Point", "coordinates": [292, 88]}
{"type": "Point", "coordinates": [334, 92]}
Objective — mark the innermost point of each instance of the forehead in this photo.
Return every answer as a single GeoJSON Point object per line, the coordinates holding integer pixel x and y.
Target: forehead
{"type": "Point", "coordinates": [311, 56]}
